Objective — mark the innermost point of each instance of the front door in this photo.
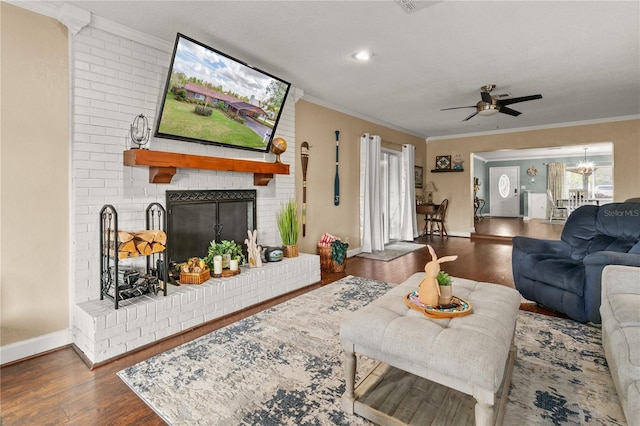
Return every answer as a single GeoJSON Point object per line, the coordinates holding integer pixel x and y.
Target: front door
{"type": "Point", "coordinates": [504, 195]}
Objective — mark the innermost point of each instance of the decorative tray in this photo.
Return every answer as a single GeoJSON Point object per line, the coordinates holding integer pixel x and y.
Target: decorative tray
{"type": "Point", "coordinates": [226, 273]}
{"type": "Point", "coordinates": [457, 308]}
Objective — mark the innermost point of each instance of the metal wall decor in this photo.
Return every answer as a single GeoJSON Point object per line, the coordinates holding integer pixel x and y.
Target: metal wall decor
{"type": "Point", "coordinates": [140, 131]}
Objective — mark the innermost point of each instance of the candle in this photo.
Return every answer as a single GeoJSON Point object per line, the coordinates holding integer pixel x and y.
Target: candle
{"type": "Point", "coordinates": [217, 265]}
{"type": "Point", "coordinates": [233, 265]}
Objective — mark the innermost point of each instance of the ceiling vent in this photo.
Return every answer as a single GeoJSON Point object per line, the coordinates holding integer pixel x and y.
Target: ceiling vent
{"type": "Point", "coordinates": [411, 6]}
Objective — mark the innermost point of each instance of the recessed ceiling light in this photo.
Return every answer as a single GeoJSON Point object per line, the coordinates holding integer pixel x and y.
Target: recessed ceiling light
{"type": "Point", "coordinates": [362, 55]}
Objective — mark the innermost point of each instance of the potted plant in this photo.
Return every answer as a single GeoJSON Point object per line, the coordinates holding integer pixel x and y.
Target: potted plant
{"type": "Point", "coordinates": [338, 255]}
{"type": "Point", "coordinates": [289, 225]}
{"type": "Point", "coordinates": [446, 292]}
{"type": "Point", "coordinates": [228, 250]}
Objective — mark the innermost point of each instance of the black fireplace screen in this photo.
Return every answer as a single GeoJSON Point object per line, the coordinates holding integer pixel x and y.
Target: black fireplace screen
{"type": "Point", "coordinates": [195, 218]}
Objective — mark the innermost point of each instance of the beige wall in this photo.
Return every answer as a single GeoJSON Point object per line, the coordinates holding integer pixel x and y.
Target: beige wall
{"type": "Point", "coordinates": [317, 125]}
{"type": "Point", "coordinates": [34, 242]}
{"type": "Point", "coordinates": [625, 136]}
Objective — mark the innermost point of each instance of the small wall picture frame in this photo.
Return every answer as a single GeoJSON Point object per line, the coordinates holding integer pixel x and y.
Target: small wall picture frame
{"type": "Point", "coordinates": [419, 172]}
{"type": "Point", "coordinates": [443, 162]}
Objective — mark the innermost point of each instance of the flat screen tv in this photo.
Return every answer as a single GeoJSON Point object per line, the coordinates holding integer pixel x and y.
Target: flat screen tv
{"type": "Point", "coordinates": [212, 98]}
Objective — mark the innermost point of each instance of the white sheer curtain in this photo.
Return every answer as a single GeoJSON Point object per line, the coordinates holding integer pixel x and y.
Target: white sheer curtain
{"type": "Point", "coordinates": [409, 227]}
{"type": "Point", "coordinates": [371, 231]}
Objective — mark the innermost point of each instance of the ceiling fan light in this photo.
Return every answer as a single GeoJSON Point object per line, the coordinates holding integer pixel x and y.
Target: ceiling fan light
{"type": "Point", "coordinates": [486, 109]}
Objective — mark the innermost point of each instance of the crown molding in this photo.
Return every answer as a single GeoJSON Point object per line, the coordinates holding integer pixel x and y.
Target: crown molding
{"type": "Point", "coordinates": [135, 35]}
{"type": "Point", "coordinates": [73, 16]}
{"type": "Point", "coordinates": [541, 127]}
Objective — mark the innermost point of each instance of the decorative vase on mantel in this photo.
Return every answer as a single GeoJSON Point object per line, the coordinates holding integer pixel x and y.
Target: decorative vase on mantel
{"type": "Point", "coordinates": [290, 250]}
{"type": "Point", "coordinates": [289, 225]}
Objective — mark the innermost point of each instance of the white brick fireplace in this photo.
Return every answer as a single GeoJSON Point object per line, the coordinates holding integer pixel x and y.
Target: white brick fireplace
{"type": "Point", "coordinates": [117, 74]}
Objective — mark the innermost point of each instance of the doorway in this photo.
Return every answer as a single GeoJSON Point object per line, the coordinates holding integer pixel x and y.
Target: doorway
{"type": "Point", "coordinates": [504, 193]}
{"type": "Point", "coordinates": [390, 195]}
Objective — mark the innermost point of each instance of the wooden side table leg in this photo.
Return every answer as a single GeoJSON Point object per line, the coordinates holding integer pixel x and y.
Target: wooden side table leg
{"type": "Point", "coordinates": [348, 398]}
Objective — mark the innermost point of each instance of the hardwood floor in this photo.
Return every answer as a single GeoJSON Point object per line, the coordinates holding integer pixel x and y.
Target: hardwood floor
{"type": "Point", "coordinates": [57, 388]}
{"type": "Point", "coordinates": [510, 227]}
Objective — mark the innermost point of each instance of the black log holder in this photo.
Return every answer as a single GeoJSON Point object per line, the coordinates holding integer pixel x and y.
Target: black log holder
{"type": "Point", "coordinates": [117, 285]}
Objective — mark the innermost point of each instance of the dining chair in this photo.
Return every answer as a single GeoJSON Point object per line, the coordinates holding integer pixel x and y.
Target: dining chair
{"type": "Point", "coordinates": [555, 211]}
{"type": "Point", "coordinates": [438, 219]}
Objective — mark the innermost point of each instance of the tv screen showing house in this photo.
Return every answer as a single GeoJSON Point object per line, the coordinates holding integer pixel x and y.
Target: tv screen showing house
{"type": "Point", "coordinates": [212, 98]}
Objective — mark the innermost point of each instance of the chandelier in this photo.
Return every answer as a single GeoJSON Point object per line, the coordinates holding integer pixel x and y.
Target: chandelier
{"type": "Point", "coordinates": [585, 167]}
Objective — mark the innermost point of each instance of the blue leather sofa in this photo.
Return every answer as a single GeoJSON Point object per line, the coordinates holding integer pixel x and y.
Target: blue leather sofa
{"type": "Point", "coordinates": [565, 275]}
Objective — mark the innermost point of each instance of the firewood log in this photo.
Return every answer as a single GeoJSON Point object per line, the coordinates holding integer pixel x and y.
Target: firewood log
{"type": "Point", "coordinates": [157, 247]}
{"type": "Point", "coordinates": [124, 254]}
{"type": "Point", "coordinates": [123, 236]}
{"type": "Point", "coordinates": [152, 235]}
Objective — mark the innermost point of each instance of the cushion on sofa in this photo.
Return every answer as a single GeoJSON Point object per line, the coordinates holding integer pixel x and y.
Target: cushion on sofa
{"type": "Point", "coordinates": [565, 274]}
{"type": "Point", "coordinates": [635, 249]}
{"type": "Point", "coordinates": [580, 230]}
{"type": "Point", "coordinates": [627, 309]}
{"type": "Point", "coordinates": [621, 334]}
{"type": "Point", "coordinates": [632, 413]}
{"type": "Point", "coordinates": [619, 220]}
{"type": "Point", "coordinates": [608, 243]}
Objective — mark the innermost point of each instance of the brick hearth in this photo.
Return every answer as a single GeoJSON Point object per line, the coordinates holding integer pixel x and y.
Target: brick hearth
{"type": "Point", "coordinates": [102, 333]}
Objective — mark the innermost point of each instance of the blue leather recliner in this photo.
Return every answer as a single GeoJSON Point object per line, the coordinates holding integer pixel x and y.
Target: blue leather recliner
{"type": "Point", "coordinates": [564, 275]}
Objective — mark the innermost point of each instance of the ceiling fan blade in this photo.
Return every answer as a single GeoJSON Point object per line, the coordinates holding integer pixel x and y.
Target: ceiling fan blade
{"type": "Point", "coordinates": [520, 99]}
{"type": "Point", "coordinates": [509, 111]}
{"type": "Point", "coordinates": [486, 97]}
{"type": "Point", "coordinates": [471, 116]}
{"type": "Point", "coordinates": [446, 109]}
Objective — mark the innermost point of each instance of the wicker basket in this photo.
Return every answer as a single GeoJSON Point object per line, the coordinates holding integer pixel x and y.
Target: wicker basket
{"type": "Point", "coordinates": [325, 258]}
{"type": "Point", "coordinates": [336, 267]}
{"type": "Point", "coordinates": [195, 277]}
{"type": "Point", "coordinates": [290, 251]}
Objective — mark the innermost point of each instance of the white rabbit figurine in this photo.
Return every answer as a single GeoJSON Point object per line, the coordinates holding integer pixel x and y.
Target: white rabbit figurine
{"type": "Point", "coordinates": [254, 251]}
{"type": "Point", "coordinates": [429, 290]}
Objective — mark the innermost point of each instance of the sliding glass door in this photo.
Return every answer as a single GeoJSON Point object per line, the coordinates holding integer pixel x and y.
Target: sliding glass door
{"type": "Point", "coordinates": [390, 194]}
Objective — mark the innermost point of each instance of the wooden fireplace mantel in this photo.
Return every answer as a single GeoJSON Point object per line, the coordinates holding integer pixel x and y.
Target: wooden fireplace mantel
{"type": "Point", "coordinates": [163, 165]}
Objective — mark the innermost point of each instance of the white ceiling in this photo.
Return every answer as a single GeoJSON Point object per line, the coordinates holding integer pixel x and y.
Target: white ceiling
{"type": "Point", "coordinates": [583, 57]}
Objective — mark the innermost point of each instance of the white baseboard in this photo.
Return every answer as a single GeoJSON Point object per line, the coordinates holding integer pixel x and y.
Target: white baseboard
{"type": "Point", "coordinates": [354, 252]}
{"type": "Point", "coordinates": [30, 347]}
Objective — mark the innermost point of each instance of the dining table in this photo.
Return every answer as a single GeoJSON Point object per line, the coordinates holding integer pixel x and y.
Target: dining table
{"type": "Point", "coordinates": [428, 210]}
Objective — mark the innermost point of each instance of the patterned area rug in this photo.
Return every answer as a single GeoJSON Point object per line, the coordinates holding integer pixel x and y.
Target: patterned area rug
{"type": "Point", "coordinates": [283, 366]}
{"type": "Point", "coordinates": [392, 251]}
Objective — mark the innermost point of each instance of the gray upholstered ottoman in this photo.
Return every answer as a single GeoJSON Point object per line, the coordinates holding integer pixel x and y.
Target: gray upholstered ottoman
{"type": "Point", "coordinates": [472, 355]}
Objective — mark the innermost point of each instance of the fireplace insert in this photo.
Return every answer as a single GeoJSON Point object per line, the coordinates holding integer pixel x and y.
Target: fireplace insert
{"type": "Point", "coordinates": [195, 218]}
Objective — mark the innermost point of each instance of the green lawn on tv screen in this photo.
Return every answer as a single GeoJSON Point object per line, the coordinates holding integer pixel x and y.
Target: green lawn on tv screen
{"type": "Point", "coordinates": [179, 118]}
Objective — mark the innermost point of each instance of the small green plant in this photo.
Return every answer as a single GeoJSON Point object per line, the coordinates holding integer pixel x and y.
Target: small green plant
{"type": "Point", "coordinates": [339, 251]}
{"type": "Point", "coordinates": [289, 223]}
{"type": "Point", "coordinates": [225, 247]}
{"type": "Point", "coordinates": [443, 278]}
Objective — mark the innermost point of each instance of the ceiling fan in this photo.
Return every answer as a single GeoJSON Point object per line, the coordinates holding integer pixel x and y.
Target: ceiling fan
{"type": "Point", "coordinates": [490, 105]}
